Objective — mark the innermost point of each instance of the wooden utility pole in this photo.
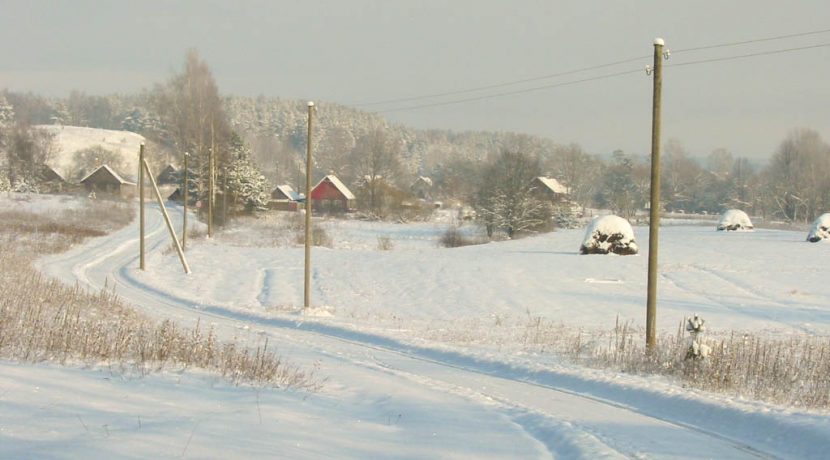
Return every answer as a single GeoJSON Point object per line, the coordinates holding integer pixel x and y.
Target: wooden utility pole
{"type": "Point", "coordinates": [654, 210]}
{"type": "Point", "coordinates": [184, 217]}
{"type": "Point", "coordinates": [141, 208]}
{"type": "Point", "coordinates": [210, 180]}
{"type": "Point", "coordinates": [167, 220]}
{"type": "Point", "coordinates": [308, 206]}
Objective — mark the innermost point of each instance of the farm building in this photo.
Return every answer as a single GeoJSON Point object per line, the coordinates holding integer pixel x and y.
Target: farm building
{"type": "Point", "coordinates": [284, 198]}
{"type": "Point", "coordinates": [331, 195]}
{"type": "Point", "coordinates": [106, 180]}
{"type": "Point", "coordinates": [52, 181]}
{"type": "Point", "coordinates": [169, 176]}
{"type": "Point", "coordinates": [422, 188]}
{"type": "Point", "coordinates": [549, 189]}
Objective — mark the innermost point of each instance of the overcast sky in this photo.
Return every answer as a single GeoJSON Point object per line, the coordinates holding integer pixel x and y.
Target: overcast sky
{"type": "Point", "coordinates": [359, 51]}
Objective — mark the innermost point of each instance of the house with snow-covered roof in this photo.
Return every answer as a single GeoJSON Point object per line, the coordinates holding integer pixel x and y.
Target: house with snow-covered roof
{"type": "Point", "coordinates": [332, 195]}
{"type": "Point", "coordinates": [550, 189]}
{"type": "Point", "coordinates": [284, 192]}
{"type": "Point", "coordinates": [105, 180]}
{"type": "Point", "coordinates": [422, 188]}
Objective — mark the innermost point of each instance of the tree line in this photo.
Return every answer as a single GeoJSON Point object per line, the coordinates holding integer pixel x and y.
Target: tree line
{"type": "Point", "coordinates": [260, 142]}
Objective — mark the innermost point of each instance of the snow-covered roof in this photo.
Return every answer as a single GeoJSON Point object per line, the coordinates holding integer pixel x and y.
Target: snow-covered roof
{"type": "Point", "coordinates": [553, 185]}
{"type": "Point", "coordinates": [288, 191]}
{"type": "Point", "coordinates": [338, 185]}
{"type": "Point", "coordinates": [424, 179]}
{"type": "Point", "coordinates": [114, 174]}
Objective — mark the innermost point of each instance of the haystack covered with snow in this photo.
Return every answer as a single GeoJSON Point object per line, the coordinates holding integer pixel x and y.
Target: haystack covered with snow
{"type": "Point", "coordinates": [820, 231]}
{"type": "Point", "coordinates": [734, 219]}
{"type": "Point", "coordinates": [609, 234]}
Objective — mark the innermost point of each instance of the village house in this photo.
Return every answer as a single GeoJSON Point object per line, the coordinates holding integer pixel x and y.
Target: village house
{"type": "Point", "coordinates": [331, 195]}
{"type": "Point", "coordinates": [550, 190]}
{"type": "Point", "coordinates": [105, 180]}
{"type": "Point", "coordinates": [169, 176]}
{"type": "Point", "coordinates": [284, 198]}
{"type": "Point", "coordinates": [422, 188]}
{"type": "Point", "coordinates": [52, 181]}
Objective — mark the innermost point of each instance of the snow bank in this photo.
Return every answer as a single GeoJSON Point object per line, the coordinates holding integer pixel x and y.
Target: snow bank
{"type": "Point", "coordinates": [609, 234]}
{"type": "Point", "coordinates": [734, 219]}
{"type": "Point", "coordinates": [820, 229]}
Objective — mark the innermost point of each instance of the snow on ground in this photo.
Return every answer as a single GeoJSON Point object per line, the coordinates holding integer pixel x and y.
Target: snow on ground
{"type": "Point", "coordinates": [70, 139]}
{"type": "Point", "coordinates": [737, 281]}
{"type": "Point", "coordinates": [40, 204]}
{"type": "Point", "coordinates": [388, 397]}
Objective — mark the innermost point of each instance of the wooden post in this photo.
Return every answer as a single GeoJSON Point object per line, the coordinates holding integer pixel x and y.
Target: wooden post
{"type": "Point", "coordinates": [308, 206]}
{"type": "Point", "coordinates": [167, 220]}
{"type": "Point", "coordinates": [184, 216]}
{"type": "Point", "coordinates": [141, 264]}
{"type": "Point", "coordinates": [210, 180]}
{"type": "Point", "coordinates": [654, 211]}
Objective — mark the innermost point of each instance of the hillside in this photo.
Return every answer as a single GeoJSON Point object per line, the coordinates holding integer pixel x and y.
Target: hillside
{"type": "Point", "coordinates": [71, 139]}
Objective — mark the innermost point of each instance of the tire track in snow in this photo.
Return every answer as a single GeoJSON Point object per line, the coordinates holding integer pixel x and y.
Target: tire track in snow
{"type": "Point", "coordinates": [466, 367]}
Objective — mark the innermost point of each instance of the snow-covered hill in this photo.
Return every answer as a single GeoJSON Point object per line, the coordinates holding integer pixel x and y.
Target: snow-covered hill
{"type": "Point", "coordinates": [70, 139]}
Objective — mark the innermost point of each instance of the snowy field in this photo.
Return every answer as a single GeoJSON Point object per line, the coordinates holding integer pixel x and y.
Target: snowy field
{"type": "Point", "coordinates": [389, 392]}
{"type": "Point", "coordinates": [70, 139]}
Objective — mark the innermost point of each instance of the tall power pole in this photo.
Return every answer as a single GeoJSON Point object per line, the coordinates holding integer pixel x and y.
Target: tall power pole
{"type": "Point", "coordinates": [211, 185]}
{"type": "Point", "coordinates": [654, 210]}
{"type": "Point", "coordinates": [141, 207]}
{"type": "Point", "coordinates": [308, 206]}
{"type": "Point", "coordinates": [184, 216]}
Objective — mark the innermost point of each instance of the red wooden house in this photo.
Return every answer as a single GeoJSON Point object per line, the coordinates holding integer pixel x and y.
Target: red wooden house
{"type": "Point", "coordinates": [331, 195]}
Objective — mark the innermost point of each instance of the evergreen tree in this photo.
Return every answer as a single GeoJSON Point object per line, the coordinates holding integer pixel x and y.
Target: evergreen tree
{"type": "Point", "coordinates": [246, 184]}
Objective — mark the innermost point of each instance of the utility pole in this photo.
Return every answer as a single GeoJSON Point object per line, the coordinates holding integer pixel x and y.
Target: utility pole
{"type": "Point", "coordinates": [184, 217]}
{"type": "Point", "coordinates": [308, 206]}
{"type": "Point", "coordinates": [210, 180]}
{"type": "Point", "coordinates": [141, 207]}
{"type": "Point", "coordinates": [224, 196]}
{"type": "Point", "coordinates": [654, 210]}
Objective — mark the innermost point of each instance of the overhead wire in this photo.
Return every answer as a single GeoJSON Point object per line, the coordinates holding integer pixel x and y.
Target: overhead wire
{"type": "Point", "coordinates": [756, 40]}
{"type": "Point", "coordinates": [585, 69]}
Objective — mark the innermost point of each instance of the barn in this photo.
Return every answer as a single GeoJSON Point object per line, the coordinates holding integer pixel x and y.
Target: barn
{"type": "Point", "coordinates": [549, 189]}
{"type": "Point", "coordinates": [284, 198]}
{"type": "Point", "coordinates": [169, 176]}
{"type": "Point", "coordinates": [106, 180]}
{"type": "Point", "coordinates": [331, 195]}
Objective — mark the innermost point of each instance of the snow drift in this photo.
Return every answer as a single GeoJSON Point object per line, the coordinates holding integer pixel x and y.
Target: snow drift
{"type": "Point", "coordinates": [734, 219]}
{"type": "Point", "coordinates": [609, 234]}
{"type": "Point", "coordinates": [820, 229]}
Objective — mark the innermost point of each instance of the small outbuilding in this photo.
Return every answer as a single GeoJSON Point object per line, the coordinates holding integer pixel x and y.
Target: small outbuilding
{"type": "Point", "coordinates": [106, 180]}
{"type": "Point", "coordinates": [422, 188]}
{"type": "Point", "coordinates": [734, 219]}
{"type": "Point", "coordinates": [52, 181]}
{"type": "Point", "coordinates": [331, 195]}
{"type": "Point", "coordinates": [549, 189]}
{"type": "Point", "coordinates": [820, 231]}
{"type": "Point", "coordinates": [609, 235]}
{"type": "Point", "coordinates": [169, 176]}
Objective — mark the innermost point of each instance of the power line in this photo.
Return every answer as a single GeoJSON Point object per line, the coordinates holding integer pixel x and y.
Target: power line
{"type": "Point", "coordinates": [601, 77]}
{"type": "Point", "coordinates": [742, 56]}
{"type": "Point", "coordinates": [501, 85]}
{"type": "Point", "coordinates": [756, 40]}
{"type": "Point", "coordinates": [574, 71]}
{"type": "Point", "coordinates": [510, 93]}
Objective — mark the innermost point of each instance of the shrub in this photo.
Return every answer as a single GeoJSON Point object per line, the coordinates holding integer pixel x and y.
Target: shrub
{"type": "Point", "coordinates": [385, 243]}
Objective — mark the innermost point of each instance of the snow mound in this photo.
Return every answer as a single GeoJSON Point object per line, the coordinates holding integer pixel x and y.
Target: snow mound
{"type": "Point", "coordinates": [734, 219]}
{"type": "Point", "coordinates": [820, 229]}
{"type": "Point", "coordinates": [609, 234]}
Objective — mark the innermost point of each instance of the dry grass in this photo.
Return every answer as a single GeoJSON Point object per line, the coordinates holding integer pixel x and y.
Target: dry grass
{"type": "Point", "coordinates": [454, 238]}
{"type": "Point", "coordinates": [385, 243]}
{"type": "Point", "coordinates": [44, 320]}
{"type": "Point", "coordinates": [794, 371]}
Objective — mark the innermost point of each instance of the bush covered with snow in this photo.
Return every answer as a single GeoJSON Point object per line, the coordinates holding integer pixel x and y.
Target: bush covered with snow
{"type": "Point", "coordinates": [734, 219]}
{"type": "Point", "coordinates": [820, 229]}
{"type": "Point", "coordinates": [609, 234]}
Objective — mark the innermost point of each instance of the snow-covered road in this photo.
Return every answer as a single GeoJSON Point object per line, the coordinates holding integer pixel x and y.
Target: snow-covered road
{"type": "Point", "coordinates": [443, 404]}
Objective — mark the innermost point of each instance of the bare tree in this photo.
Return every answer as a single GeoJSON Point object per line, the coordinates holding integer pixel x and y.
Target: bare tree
{"type": "Point", "coordinates": [506, 200]}
{"type": "Point", "coordinates": [798, 176]}
{"type": "Point", "coordinates": [376, 163]}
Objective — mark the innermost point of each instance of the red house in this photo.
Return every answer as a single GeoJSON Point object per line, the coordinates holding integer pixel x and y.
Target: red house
{"type": "Point", "coordinates": [331, 195]}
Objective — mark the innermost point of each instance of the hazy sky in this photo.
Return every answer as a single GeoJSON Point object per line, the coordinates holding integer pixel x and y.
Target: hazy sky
{"type": "Point", "coordinates": [358, 51]}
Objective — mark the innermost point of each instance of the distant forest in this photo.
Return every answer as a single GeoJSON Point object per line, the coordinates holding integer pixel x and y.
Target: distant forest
{"type": "Point", "coordinates": [794, 185]}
